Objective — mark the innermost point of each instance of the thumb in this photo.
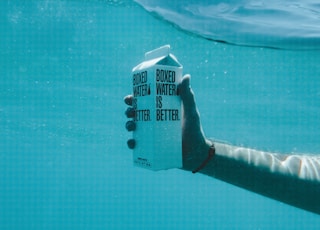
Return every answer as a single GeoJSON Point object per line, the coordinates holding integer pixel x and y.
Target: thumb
{"type": "Point", "coordinates": [186, 94]}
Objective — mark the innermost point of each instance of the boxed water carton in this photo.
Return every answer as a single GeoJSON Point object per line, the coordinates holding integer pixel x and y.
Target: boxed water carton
{"type": "Point", "coordinates": [158, 114]}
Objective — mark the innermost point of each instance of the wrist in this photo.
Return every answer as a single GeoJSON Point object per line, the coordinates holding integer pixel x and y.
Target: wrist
{"type": "Point", "coordinates": [211, 153]}
{"type": "Point", "coordinates": [196, 159]}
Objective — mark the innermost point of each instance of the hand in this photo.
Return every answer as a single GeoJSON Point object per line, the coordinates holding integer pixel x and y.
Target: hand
{"type": "Point", "coordinates": [194, 144]}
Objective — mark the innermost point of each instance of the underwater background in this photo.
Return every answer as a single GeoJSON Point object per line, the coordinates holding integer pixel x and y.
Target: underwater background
{"type": "Point", "coordinates": [65, 67]}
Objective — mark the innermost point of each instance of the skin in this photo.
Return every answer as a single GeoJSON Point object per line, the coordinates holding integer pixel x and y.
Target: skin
{"type": "Point", "coordinates": [292, 179]}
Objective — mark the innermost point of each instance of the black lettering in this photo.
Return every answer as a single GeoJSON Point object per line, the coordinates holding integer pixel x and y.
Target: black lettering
{"type": "Point", "coordinates": [167, 115]}
{"type": "Point", "coordinates": [158, 115]}
{"type": "Point", "coordinates": [140, 78]}
{"type": "Point", "coordinates": [166, 89]}
{"type": "Point", "coordinates": [142, 115]}
{"type": "Point", "coordinates": [165, 76]}
{"type": "Point", "coordinates": [141, 90]}
{"type": "Point", "coordinates": [158, 102]}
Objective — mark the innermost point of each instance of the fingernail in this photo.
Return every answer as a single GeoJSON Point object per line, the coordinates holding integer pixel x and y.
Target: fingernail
{"type": "Point", "coordinates": [131, 143]}
{"type": "Point", "coordinates": [130, 125]}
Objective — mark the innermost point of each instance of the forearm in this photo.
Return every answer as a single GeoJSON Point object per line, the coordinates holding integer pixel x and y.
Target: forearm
{"type": "Point", "coordinates": [284, 178]}
{"type": "Point", "coordinates": [304, 167]}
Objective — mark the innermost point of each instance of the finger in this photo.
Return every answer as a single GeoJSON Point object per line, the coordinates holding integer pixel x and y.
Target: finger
{"type": "Point", "coordinates": [131, 125]}
{"type": "Point", "coordinates": [130, 112]}
{"type": "Point", "coordinates": [131, 143]}
{"type": "Point", "coordinates": [128, 99]}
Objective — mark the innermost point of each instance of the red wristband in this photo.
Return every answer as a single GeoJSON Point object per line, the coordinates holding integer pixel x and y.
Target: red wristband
{"type": "Point", "coordinates": [211, 153]}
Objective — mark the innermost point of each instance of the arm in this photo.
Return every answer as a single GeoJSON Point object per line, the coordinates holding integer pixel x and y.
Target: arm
{"type": "Point", "coordinates": [267, 174]}
{"type": "Point", "coordinates": [293, 179]}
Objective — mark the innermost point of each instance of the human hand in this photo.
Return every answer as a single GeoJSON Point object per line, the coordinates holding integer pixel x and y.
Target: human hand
{"type": "Point", "coordinates": [194, 144]}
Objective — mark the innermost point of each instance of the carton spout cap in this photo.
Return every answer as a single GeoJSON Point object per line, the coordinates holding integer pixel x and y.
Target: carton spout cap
{"type": "Point", "coordinates": [162, 51]}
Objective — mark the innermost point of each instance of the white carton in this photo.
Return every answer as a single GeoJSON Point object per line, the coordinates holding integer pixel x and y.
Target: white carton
{"type": "Point", "coordinates": [158, 114]}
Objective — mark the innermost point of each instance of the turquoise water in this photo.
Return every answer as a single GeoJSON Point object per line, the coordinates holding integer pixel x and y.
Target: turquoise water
{"type": "Point", "coordinates": [65, 68]}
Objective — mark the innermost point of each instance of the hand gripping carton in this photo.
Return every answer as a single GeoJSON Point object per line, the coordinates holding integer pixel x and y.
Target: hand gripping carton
{"type": "Point", "coordinates": [158, 114]}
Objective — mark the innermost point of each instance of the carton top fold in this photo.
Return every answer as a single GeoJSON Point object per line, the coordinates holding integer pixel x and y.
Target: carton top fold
{"type": "Point", "coordinates": [162, 51]}
{"type": "Point", "coordinates": [159, 56]}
